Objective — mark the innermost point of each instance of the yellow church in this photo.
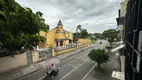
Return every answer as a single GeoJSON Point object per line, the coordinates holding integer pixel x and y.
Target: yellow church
{"type": "Point", "coordinates": [56, 37]}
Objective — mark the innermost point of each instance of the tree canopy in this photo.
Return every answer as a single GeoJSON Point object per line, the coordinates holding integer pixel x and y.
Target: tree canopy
{"type": "Point", "coordinates": [92, 37]}
{"type": "Point", "coordinates": [98, 35]}
{"type": "Point", "coordinates": [99, 55]}
{"type": "Point", "coordinates": [84, 33]}
{"type": "Point", "coordinates": [110, 34]}
{"type": "Point", "coordinates": [19, 27]}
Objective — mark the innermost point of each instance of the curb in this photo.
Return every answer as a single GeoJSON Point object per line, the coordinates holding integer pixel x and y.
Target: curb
{"type": "Point", "coordinates": [29, 73]}
{"type": "Point", "coordinates": [74, 53]}
{"type": "Point", "coordinates": [89, 71]}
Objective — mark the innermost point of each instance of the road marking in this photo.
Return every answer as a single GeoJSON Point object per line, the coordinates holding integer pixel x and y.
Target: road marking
{"type": "Point", "coordinates": [74, 69]}
{"type": "Point", "coordinates": [89, 71]}
{"type": "Point", "coordinates": [79, 57]}
{"type": "Point", "coordinates": [71, 65]}
{"type": "Point", "coordinates": [42, 77]}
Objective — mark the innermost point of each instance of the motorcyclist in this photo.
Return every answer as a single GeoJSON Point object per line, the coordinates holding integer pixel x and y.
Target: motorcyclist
{"type": "Point", "coordinates": [53, 70]}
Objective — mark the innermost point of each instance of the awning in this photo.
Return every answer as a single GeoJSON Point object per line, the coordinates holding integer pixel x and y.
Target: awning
{"type": "Point", "coordinates": [117, 48]}
{"type": "Point", "coordinates": [118, 75]}
{"type": "Point", "coordinates": [120, 42]}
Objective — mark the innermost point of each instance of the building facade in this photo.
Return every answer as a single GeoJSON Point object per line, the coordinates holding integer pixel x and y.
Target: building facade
{"type": "Point", "coordinates": [121, 22]}
{"type": "Point", "coordinates": [57, 37]}
{"type": "Point", "coordinates": [133, 41]}
{"type": "Point", "coordinates": [121, 19]}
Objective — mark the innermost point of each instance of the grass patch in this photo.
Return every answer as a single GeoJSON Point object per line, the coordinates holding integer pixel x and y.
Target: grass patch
{"type": "Point", "coordinates": [99, 69]}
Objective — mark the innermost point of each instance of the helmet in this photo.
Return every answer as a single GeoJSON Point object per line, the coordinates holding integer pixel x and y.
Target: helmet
{"type": "Point", "coordinates": [52, 64]}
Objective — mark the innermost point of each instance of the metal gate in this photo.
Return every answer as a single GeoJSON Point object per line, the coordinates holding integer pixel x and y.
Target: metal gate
{"type": "Point", "coordinates": [29, 58]}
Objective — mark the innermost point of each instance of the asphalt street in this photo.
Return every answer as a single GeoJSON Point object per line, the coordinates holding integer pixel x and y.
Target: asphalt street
{"type": "Point", "coordinates": [71, 68]}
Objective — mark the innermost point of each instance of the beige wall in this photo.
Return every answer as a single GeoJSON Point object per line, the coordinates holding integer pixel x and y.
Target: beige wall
{"type": "Point", "coordinates": [35, 56]}
{"type": "Point", "coordinates": [67, 35]}
{"type": "Point", "coordinates": [43, 44]}
{"type": "Point", "coordinates": [123, 8]}
{"type": "Point", "coordinates": [65, 42]}
{"type": "Point", "coordinates": [9, 63]}
{"type": "Point", "coordinates": [84, 41]}
{"type": "Point", "coordinates": [63, 51]}
{"type": "Point", "coordinates": [51, 38]}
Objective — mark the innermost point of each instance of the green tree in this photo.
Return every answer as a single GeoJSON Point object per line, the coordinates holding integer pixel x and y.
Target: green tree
{"type": "Point", "coordinates": [98, 35]}
{"type": "Point", "coordinates": [19, 27]}
{"type": "Point", "coordinates": [84, 33]}
{"type": "Point", "coordinates": [5, 8]}
{"type": "Point", "coordinates": [92, 37]}
{"type": "Point", "coordinates": [110, 35]}
{"type": "Point", "coordinates": [75, 37]}
{"type": "Point", "coordinates": [99, 55]}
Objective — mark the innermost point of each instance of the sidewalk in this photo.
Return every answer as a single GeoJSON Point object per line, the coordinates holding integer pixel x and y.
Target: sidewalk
{"type": "Point", "coordinates": [15, 74]}
{"type": "Point", "coordinates": [109, 67]}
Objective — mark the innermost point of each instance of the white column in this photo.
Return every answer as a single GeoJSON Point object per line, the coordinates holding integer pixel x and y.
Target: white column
{"type": "Point", "coordinates": [53, 54]}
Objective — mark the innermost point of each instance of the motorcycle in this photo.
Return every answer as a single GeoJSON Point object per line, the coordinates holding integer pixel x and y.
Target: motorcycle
{"type": "Point", "coordinates": [50, 76]}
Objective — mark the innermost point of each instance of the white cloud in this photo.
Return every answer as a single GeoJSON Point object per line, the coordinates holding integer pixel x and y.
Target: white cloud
{"type": "Point", "coordinates": [93, 15]}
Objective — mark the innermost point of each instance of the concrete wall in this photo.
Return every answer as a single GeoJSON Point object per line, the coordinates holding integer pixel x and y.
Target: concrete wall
{"type": "Point", "coordinates": [63, 51]}
{"type": "Point", "coordinates": [9, 63]}
{"type": "Point", "coordinates": [121, 27]}
{"type": "Point", "coordinates": [35, 56]}
{"type": "Point", "coordinates": [123, 8]}
{"type": "Point", "coordinates": [85, 41]}
{"type": "Point", "coordinates": [39, 55]}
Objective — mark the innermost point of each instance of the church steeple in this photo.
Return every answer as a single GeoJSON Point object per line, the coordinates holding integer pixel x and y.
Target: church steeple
{"type": "Point", "coordinates": [60, 23]}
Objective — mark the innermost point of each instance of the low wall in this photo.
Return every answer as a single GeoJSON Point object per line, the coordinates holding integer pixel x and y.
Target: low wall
{"type": "Point", "coordinates": [64, 51]}
{"type": "Point", "coordinates": [9, 63]}
{"type": "Point", "coordinates": [35, 56]}
{"type": "Point", "coordinates": [67, 50]}
{"type": "Point", "coordinates": [41, 55]}
{"type": "Point", "coordinates": [84, 41]}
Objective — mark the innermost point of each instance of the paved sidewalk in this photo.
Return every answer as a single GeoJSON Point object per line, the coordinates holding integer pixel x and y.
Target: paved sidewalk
{"type": "Point", "coordinates": [109, 67]}
{"type": "Point", "coordinates": [15, 74]}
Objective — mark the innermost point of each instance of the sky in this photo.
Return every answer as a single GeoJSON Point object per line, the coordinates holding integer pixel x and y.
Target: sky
{"type": "Point", "coordinates": [94, 15]}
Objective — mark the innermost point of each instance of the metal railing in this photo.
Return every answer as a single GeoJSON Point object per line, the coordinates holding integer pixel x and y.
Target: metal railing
{"type": "Point", "coordinates": [73, 45]}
